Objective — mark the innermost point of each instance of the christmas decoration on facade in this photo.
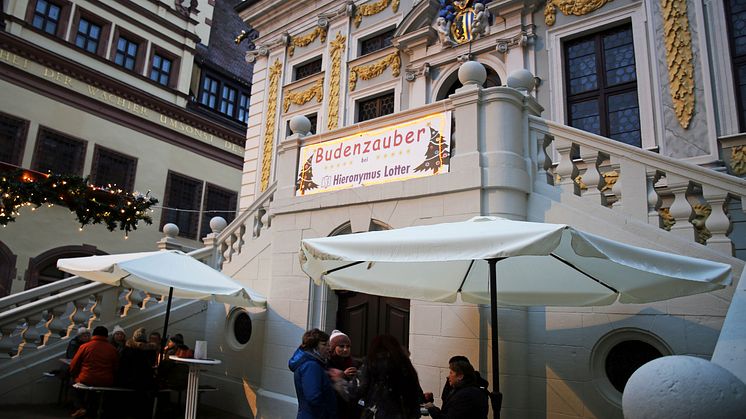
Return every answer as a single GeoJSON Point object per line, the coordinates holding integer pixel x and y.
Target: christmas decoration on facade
{"type": "Point", "coordinates": [437, 155]}
{"type": "Point", "coordinates": [91, 204]}
{"type": "Point", "coordinates": [305, 177]}
{"type": "Point", "coordinates": [460, 22]}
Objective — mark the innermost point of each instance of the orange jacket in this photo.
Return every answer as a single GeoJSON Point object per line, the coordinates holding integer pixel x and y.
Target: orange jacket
{"type": "Point", "coordinates": [95, 363]}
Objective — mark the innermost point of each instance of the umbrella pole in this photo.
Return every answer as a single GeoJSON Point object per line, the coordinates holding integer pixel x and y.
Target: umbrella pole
{"type": "Point", "coordinates": [496, 397]}
{"type": "Point", "coordinates": [165, 325]}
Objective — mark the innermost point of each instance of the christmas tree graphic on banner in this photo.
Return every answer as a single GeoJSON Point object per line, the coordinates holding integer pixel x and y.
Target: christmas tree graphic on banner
{"type": "Point", "coordinates": [305, 178]}
{"type": "Point", "coordinates": [437, 154]}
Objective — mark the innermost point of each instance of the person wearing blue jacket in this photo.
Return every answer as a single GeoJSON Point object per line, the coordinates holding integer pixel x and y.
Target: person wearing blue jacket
{"type": "Point", "coordinates": [316, 395]}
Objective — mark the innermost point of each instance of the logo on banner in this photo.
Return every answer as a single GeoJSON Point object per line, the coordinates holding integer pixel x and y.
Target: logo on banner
{"type": "Point", "coordinates": [413, 149]}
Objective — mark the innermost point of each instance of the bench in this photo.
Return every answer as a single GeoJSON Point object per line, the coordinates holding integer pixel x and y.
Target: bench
{"type": "Point", "coordinates": [101, 391]}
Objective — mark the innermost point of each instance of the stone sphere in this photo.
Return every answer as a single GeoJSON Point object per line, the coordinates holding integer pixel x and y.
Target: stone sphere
{"type": "Point", "coordinates": [299, 124]}
{"type": "Point", "coordinates": [217, 224]}
{"type": "Point", "coordinates": [471, 72]}
{"type": "Point", "coordinates": [522, 80]}
{"type": "Point", "coordinates": [171, 230]}
{"type": "Point", "coordinates": [683, 387]}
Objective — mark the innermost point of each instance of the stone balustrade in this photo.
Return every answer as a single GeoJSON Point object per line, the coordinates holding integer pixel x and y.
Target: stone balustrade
{"type": "Point", "coordinates": [688, 200]}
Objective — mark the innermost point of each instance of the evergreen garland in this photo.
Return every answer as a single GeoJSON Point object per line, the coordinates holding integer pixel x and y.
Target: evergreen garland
{"type": "Point", "coordinates": [91, 205]}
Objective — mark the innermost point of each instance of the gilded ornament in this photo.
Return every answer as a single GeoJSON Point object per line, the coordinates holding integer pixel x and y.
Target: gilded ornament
{"type": "Point", "coordinates": [701, 212]}
{"type": "Point", "coordinates": [570, 7]}
{"type": "Point", "coordinates": [610, 179]}
{"type": "Point", "coordinates": [679, 57]}
{"type": "Point", "coordinates": [667, 220]}
{"type": "Point", "coordinates": [301, 98]}
{"type": "Point", "coordinates": [370, 9]}
{"type": "Point", "coordinates": [336, 50]}
{"type": "Point", "coordinates": [269, 130]}
{"type": "Point", "coordinates": [738, 160]}
{"type": "Point", "coordinates": [367, 72]}
{"type": "Point", "coordinates": [305, 40]}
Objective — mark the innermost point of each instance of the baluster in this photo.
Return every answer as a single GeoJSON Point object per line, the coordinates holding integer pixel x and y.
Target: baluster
{"type": "Point", "coordinates": [543, 162]}
{"type": "Point", "coordinates": [149, 300]}
{"type": "Point", "coordinates": [78, 316]}
{"type": "Point", "coordinates": [612, 184]}
{"type": "Point", "coordinates": [228, 252]}
{"type": "Point", "coordinates": [565, 168]}
{"type": "Point", "coordinates": [10, 340]}
{"type": "Point", "coordinates": [654, 200]}
{"type": "Point", "coordinates": [33, 335]}
{"type": "Point", "coordinates": [718, 222]}
{"type": "Point", "coordinates": [58, 325]}
{"type": "Point", "coordinates": [680, 209]}
{"type": "Point", "coordinates": [591, 177]}
{"type": "Point", "coordinates": [238, 242]}
{"type": "Point", "coordinates": [94, 312]}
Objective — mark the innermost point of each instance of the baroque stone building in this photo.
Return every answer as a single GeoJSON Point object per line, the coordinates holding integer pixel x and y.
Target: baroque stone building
{"type": "Point", "coordinates": [147, 96]}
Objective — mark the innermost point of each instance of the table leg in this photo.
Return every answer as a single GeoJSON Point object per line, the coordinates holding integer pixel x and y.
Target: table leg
{"type": "Point", "coordinates": [190, 410]}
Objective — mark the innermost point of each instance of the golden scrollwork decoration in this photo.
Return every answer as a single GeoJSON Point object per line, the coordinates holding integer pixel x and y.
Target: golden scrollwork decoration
{"type": "Point", "coordinates": [370, 9]}
{"type": "Point", "coordinates": [679, 57]}
{"type": "Point", "coordinates": [610, 179]}
{"type": "Point", "coordinates": [367, 72]}
{"type": "Point", "coordinates": [738, 160]}
{"type": "Point", "coordinates": [337, 47]}
{"type": "Point", "coordinates": [570, 7]}
{"type": "Point", "coordinates": [269, 129]}
{"type": "Point", "coordinates": [305, 40]}
{"type": "Point", "coordinates": [303, 97]}
{"type": "Point", "coordinates": [701, 212]}
{"type": "Point", "coordinates": [667, 220]}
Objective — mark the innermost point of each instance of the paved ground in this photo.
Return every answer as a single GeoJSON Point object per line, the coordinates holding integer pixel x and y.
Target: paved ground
{"type": "Point", "coordinates": [54, 412]}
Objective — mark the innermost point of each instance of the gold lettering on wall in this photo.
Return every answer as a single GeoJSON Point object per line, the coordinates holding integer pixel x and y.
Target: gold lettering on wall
{"type": "Point", "coordinates": [336, 50]}
{"type": "Point", "coordinates": [269, 129]}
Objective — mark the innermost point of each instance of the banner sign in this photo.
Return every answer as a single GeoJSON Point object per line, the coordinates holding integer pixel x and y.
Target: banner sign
{"type": "Point", "coordinates": [412, 149]}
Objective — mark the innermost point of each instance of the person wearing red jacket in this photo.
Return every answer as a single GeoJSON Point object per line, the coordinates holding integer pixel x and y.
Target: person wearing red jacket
{"type": "Point", "coordinates": [94, 364]}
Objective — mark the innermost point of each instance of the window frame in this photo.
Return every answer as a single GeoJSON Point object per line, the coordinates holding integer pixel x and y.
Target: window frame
{"type": "Point", "coordinates": [35, 161]}
{"type": "Point", "coordinates": [173, 75]}
{"type": "Point", "coordinates": [224, 82]}
{"type": "Point", "coordinates": [19, 145]}
{"type": "Point", "coordinates": [139, 57]}
{"type": "Point", "coordinates": [603, 91]}
{"type": "Point", "coordinates": [206, 217]}
{"type": "Point", "coordinates": [316, 59]}
{"type": "Point", "coordinates": [62, 23]}
{"type": "Point", "coordinates": [98, 150]}
{"type": "Point", "coordinates": [734, 60]}
{"type": "Point", "coordinates": [651, 123]}
{"type": "Point", "coordinates": [379, 34]}
{"type": "Point", "coordinates": [103, 37]}
{"type": "Point", "coordinates": [195, 224]}
{"type": "Point", "coordinates": [376, 96]}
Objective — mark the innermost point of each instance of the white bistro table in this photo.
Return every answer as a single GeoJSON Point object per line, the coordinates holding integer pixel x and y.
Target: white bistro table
{"type": "Point", "coordinates": [190, 411]}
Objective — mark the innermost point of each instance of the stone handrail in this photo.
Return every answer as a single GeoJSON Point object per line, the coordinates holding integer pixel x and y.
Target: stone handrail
{"type": "Point", "coordinates": [675, 195]}
{"type": "Point", "coordinates": [20, 298]}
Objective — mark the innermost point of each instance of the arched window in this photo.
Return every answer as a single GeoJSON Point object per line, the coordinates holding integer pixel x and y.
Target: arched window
{"type": "Point", "coordinates": [7, 269]}
{"type": "Point", "coordinates": [43, 270]}
{"type": "Point", "coordinates": [452, 83]}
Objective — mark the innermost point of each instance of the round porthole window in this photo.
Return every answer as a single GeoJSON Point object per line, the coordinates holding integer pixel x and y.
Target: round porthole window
{"type": "Point", "coordinates": [239, 328]}
{"type": "Point", "coordinates": [618, 355]}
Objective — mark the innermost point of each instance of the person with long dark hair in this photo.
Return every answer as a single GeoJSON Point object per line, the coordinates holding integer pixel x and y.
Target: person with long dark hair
{"type": "Point", "coordinates": [316, 396]}
{"type": "Point", "coordinates": [466, 399]}
{"type": "Point", "coordinates": [387, 383]}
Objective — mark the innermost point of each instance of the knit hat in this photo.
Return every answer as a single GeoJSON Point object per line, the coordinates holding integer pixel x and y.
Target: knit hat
{"type": "Point", "coordinates": [116, 329]}
{"type": "Point", "coordinates": [338, 338]}
{"type": "Point", "coordinates": [83, 329]}
{"type": "Point", "coordinates": [140, 335]}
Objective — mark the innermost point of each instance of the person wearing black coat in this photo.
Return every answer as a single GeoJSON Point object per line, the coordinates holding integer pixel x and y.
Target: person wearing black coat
{"type": "Point", "coordinates": [466, 398]}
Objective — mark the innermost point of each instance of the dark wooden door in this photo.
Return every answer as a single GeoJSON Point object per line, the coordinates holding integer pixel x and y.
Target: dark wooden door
{"type": "Point", "coordinates": [363, 317]}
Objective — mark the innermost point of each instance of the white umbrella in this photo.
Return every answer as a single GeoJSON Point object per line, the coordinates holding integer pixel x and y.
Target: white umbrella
{"type": "Point", "coordinates": [164, 272]}
{"type": "Point", "coordinates": [536, 263]}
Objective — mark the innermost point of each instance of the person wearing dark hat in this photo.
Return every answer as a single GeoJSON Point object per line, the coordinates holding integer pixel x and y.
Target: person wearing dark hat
{"type": "Point", "coordinates": [341, 359]}
{"type": "Point", "coordinates": [84, 335]}
{"type": "Point", "coordinates": [94, 364]}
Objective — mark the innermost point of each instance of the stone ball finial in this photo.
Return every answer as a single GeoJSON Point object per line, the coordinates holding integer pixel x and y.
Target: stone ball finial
{"type": "Point", "coordinates": [299, 124]}
{"type": "Point", "coordinates": [217, 224]}
{"type": "Point", "coordinates": [521, 80]}
{"type": "Point", "coordinates": [171, 230]}
{"type": "Point", "coordinates": [472, 72]}
{"type": "Point", "coordinates": [683, 386]}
